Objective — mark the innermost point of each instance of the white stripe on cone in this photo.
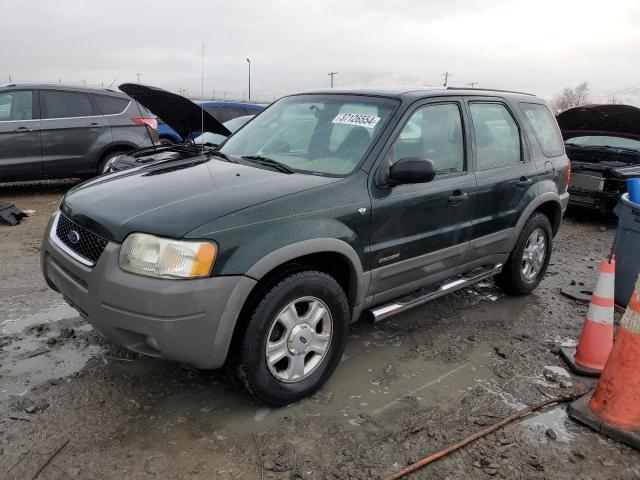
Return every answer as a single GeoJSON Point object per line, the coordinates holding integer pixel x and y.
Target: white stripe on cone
{"type": "Point", "coordinates": [605, 286]}
{"type": "Point", "coordinates": [600, 314]}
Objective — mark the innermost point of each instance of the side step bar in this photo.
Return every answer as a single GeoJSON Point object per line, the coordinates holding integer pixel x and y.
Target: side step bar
{"type": "Point", "coordinates": [432, 292]}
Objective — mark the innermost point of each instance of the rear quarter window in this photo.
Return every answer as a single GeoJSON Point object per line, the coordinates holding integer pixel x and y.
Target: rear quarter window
{"type": "Point", "coordinates": [111, 105]}
{"type": "Point", "coordinates": [544, 127]}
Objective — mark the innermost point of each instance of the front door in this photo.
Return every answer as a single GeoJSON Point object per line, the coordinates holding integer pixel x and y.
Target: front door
{"type": "Point", "coordinates": [20, 148]}
{"type": "Point", "coordinates": [421, 230]}
{"type": "Point", "coordinates": [506, 177]}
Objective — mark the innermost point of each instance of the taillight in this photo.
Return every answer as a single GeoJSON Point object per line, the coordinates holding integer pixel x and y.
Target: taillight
{"type": "Point", "coordinates": [152, 123]}
{"type": "Point", "coordinates": [568, 172]}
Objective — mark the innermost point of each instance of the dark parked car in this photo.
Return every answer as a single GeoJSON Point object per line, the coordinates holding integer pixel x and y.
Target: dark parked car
{"type": "Point", "coordinates": [603, 144]}
{"type": "Point", "coordinates": [260, 253]}
{"type": "Point", "coordinates": [221, 111]}
{"type": "Point", "coordinates": [55, 131]}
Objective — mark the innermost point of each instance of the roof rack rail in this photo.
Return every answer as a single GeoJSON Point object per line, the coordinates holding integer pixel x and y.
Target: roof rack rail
{"type": "Point", "coordinates": [491, 90]}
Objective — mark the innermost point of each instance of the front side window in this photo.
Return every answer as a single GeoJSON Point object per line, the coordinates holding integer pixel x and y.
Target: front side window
{"type": "Point", "coordinates": [433, 132]}
{"type": "Point", "coordinates": [16, 106]}
{"type": "Point", "coordinates": [65, 104]}
{"type": "Point", "coordinates": [544, 127]}
{"type": "Point", "coordinates": [497, 136]}
{"type": "Point", "coordinates": [317, 134]}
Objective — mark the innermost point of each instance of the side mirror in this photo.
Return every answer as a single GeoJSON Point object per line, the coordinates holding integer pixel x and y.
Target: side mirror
{"type": "Point", "coordinates": [412, 170]}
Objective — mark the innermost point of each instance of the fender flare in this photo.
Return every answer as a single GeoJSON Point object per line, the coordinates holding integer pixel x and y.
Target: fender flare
{"type": "Point", "coordinates": [308, 247]}
{"type": "Point", "coordinates": [545, 197]}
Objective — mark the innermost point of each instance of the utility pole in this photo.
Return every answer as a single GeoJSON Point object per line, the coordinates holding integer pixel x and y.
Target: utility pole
{"type": "Point", "coordinates": [84, 83]}
{"type": "Point", "coordinates": [446, 76]}
{"type": "Point", "coordinates": [331, 74]}
{"type": "Point", "coordinates": [249, 62]}
{"type": "Point", "coordinates": [224, 96]}
{"type": "Point", "coordinates": [10, 79]}
{"type": "Point", "coordinates": [213, 94]}
{"type": "Point", "coordinates": [472, 84]}
{"type": "Point", "coordinates": [139, 75]}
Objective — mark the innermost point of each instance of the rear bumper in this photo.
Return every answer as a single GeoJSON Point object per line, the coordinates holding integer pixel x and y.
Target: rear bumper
{"type": "Point", "coordinates": [564, 201]}
{"type": "Point", "coordinates": [189, 321]}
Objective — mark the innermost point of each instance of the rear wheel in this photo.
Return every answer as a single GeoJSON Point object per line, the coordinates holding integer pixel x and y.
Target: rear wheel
{"type": "Point", "coordinates": [107, 160]}
{"type": "Point", "coordinates": [294, 339]}
{"type": "Point", "coordinates": [529, 258]}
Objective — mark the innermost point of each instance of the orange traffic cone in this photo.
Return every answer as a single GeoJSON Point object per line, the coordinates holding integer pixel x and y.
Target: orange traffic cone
{"type": "Point", "coordinates": [614, 407]}
{"type": "Point", "coordinates": [596, 339]}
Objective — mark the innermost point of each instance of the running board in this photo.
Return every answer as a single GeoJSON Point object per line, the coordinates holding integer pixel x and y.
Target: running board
{"type": "Point", "coordinates": [432, 292]}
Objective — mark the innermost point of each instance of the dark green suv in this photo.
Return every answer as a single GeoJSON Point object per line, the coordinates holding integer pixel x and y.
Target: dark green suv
{"type": "Point", "coordinates": [326, 207]}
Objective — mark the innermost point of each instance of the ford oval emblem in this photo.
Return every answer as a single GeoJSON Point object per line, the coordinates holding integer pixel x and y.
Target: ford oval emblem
{"type": "Point", "coordinates": [73, 236]}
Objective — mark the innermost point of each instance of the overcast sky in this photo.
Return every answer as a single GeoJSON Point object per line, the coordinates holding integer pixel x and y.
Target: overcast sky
{"type": "Point", "coordinates": [538, 46]}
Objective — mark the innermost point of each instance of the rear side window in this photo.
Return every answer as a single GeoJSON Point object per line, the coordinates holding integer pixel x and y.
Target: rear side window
{"type": "Point", "coordinates": [16, 106]}
{"type": "Point", "coordinates": [65, 104]}
{"type": "Point", "coordinates": [544, 127]}
{"type": "Point", "coordinates": [496, 134]}
{"type": "Point", "coordinates": [214, 112]}
{"type": "Point", "coordinates": [228, 113]}
{"type": "Point", "coordinates": [111, 105]}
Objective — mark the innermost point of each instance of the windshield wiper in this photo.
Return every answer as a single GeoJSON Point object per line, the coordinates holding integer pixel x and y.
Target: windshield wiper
{"type": "Point", "coordinates": [268, 162]}
{"type": "Point", "coordinates": [219, 154]}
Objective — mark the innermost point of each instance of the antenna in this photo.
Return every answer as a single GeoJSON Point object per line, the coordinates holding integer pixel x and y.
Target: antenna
{"type": "Point", "coordinates": [201, 106]}
{"type": "Point", "coordinates": [331, 74]}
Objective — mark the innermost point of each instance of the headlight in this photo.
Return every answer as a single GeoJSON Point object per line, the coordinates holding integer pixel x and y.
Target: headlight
{"type": "Point", "coordinates": [166, 258]}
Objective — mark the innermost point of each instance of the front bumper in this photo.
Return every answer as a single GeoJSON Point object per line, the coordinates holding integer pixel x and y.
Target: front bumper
{"type": "Point", "coordinates": [190, 321]}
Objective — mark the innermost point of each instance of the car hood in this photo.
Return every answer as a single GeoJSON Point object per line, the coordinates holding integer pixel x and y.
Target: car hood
{"type": "Point", "coordinates": [608, 120]}
{"type": "Point", "coordinates": [180, 113]}
{"type": "Point", "coordinates": [172, 199]}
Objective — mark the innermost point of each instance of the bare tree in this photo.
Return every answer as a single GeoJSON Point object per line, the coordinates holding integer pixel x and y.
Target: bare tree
{"type": "Point", "coordinates": [572, 97]}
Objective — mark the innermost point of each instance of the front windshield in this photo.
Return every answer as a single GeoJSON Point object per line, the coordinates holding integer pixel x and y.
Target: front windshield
{"type": "Point", "coordinates": [321, 134]}
{"type": "Point", "coordinates": [604, 141]}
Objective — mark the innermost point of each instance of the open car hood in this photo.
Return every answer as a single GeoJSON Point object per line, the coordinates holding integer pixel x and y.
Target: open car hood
{"type": "Point", "coordinates": [607, 120]}
{"type": "Point", "coordinates": [179, 113]}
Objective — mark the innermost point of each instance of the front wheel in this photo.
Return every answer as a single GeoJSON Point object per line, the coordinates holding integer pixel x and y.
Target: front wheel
{"type": "Point", "coordinates": [529, 258]}
{"type": "Point", "coordinates": [295, 338]}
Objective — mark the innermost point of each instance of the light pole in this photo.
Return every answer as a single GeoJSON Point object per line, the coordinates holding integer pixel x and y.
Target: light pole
{"type": "Point", "coordinates": [331, 74]}
{"type": "Point", "coordinates": [249, 62]}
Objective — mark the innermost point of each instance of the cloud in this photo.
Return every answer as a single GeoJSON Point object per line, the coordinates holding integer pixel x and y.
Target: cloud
{"type": "Point", "coordinates": [541, 46]}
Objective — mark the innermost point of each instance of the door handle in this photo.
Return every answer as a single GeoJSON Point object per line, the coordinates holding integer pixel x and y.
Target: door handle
{"type": "Point", "coordinates": [94, 125]}
{"type": "Point", "coordinates": [458, 197]}
{"type": "Point", "coordinates": [23, 130]}
{"type": "Point", "coordinates": [524, 181]}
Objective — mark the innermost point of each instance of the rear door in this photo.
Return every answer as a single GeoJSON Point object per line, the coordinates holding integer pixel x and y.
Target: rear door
{"type": "Point", "coordinates": [73, 133]}
{"type": "Point", "coordinates": [505, 173]}
{"type": "Point", "coordinates": [422, 230]}
{"type": "Point", "coordinates": [20, 148]}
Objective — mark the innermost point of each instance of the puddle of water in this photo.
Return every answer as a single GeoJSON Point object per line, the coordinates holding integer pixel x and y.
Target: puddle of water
{"type": "Point", "coordinates": [20, 372]}
{"type": "Point", "coordinates": [374, 377]}
{"type": "Point", "coordinates": [555, 418]}
{"type": "Point", "coordinates": [16, 325]}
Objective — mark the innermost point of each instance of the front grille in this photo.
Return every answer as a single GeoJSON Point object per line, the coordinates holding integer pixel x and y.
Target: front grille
{"type": "Point", "coordinates": [89, 245]}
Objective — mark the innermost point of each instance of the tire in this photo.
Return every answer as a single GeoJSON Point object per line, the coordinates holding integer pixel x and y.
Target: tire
{"type": "Point", "coordinates": [106, 161]}
{"type": "Point", "coordinates": [513, 279]}
{"type": "Point", "coordinates": [302, 369]}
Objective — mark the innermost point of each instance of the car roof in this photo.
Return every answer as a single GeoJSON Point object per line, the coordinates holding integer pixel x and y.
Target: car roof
{"type": "Point", "coordinates": [64, 87]}
{"type": "Point", "coordinates": [419, 91]}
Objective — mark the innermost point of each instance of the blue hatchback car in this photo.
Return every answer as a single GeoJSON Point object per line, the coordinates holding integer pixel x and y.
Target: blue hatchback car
{"type": "Point", "coordinates": [221, 111]}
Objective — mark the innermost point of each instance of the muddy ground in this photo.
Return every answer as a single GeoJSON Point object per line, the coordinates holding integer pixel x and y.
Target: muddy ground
{"type": "Point", "coordinates": [72, 405]}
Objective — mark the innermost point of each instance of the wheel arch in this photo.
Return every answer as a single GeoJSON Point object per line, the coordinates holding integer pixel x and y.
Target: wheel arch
{"type": "Point", "coordinates": [548, 204]}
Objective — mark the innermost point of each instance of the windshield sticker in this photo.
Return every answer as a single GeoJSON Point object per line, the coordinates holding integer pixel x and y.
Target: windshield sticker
{"type": "Point", "coordinates": [356, 120]}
